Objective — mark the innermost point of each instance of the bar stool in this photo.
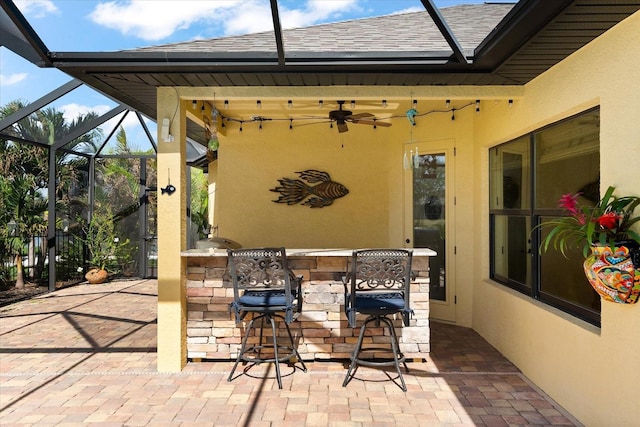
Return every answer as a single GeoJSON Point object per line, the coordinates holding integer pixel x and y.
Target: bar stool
{"type": "Point", "coordinates": [264, 286]}
{"type": "Point", "coordinates": [377, 285]}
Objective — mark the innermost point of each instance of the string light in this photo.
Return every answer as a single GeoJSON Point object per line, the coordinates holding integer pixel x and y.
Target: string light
{"type": "Point", "coordinates": [411, 114]}
{"type": "Point", "coordinates": [447, 104]}
{"type": "Point", "coordinates": [353, 104]}
{"type": "Point", "coordinates": [226, 104]}
{"type": "Point", "coordinates": [258, 104]}
{"type": "Point", "coordinates": [510, 103]}
{"type": "Point", "coordinates": [289, 104]}
{"type": "Point", "coordinates": [384, 103]}
{"type": "Point", "coordinates": [194, 104]}
{"type": "Point", "coordinates": [320, 104]}
{"type": "Point", "coordinates": [415, 104]}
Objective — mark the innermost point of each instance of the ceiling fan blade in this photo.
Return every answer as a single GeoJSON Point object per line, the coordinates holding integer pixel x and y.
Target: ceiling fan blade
{"type": "Point", "coordinates": [342, 127]}
{"type": "Point", "coordinates": [358, 116]}
{"type": "Point", "coordinates": [372, 122]}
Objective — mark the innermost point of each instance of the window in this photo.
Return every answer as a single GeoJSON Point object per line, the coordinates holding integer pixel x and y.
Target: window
{"type": "Point", "coordinates": [527, 177]}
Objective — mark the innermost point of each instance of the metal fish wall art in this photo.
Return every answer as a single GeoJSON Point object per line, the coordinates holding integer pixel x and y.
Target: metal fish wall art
{"type": "Point", "coordinates": [293, 191]}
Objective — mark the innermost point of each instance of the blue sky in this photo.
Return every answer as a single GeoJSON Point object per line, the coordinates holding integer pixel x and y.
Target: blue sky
{"type": "Point", "coordinates": [102, 26]}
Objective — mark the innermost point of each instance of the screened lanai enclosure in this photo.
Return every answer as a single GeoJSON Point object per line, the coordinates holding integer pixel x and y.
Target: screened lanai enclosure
{"type": "Point", "coordinates": [81, 193]}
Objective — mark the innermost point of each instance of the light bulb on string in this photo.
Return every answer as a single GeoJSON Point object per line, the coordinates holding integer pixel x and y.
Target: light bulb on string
{"type": "Point", "coordinates": [447, 104]}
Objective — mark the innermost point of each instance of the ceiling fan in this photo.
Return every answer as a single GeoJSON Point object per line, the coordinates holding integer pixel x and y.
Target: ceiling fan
{"type": "Point", "coordinates": [341, 117]}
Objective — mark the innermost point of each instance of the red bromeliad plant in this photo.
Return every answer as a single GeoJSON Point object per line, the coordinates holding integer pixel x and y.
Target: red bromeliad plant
{"type": "Point", "coordinates": [609, 222]}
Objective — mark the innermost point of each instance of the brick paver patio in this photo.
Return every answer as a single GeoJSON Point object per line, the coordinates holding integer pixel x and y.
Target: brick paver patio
{"type": "Point", "coordinates": [87, 355]}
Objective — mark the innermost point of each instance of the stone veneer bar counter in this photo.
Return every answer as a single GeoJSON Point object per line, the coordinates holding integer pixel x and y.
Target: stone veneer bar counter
{"type": "Point", "coordinates": [321, 330]}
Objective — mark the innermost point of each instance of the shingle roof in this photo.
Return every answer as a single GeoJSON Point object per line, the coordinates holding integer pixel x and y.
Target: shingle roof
{"type": "Point", "coordinates": [414, 31]}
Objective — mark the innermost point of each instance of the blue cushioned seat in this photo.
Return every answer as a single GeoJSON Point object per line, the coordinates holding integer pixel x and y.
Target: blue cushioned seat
{"type": "Point", "coordinates": [275, 298]}
{"type": "Point", "coordinates": [380, 303]}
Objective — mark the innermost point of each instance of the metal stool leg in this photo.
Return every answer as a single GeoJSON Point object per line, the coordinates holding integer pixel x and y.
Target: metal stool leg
{"type": "Point", "coordinates": [354, 354]}
{"type": "Point", "coordinates": [295, 349]}
{"type": "Point", "coordinates": [275, 350]}
{"type": "Point", "coordinates": [395, 349]}
{"type": "Point", "coordinates": [397, 356]}
{"type": "Point", "coordinates": [243, 346]}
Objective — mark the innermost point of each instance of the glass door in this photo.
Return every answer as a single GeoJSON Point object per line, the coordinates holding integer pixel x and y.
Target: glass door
{"type": "Point", "coordinates": [430, 218]}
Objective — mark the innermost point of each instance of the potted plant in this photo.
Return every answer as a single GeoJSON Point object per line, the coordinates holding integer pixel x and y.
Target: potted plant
{"type": "Point", "coordinates": [104, 246]}
{"type": "Point", "coordinates": [613, 265]}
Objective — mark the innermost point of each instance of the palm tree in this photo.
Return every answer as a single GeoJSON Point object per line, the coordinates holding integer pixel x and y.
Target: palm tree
{"type": "Point", "coordinates": [24, 173]}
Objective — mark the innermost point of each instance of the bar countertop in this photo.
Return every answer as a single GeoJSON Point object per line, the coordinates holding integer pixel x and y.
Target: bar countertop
{"type": "Point", "coordinates": [338, 252]}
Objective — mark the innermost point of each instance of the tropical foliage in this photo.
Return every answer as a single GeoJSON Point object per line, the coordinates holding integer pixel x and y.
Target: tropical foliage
{"type": "Point", "coordinates": [24, 176]}
{"type": "Point", "coordinates": [609, 222]}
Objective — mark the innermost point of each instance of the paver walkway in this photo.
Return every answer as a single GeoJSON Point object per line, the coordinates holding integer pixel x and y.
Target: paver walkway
{"type": "Point", "coordinates": [87, 355]}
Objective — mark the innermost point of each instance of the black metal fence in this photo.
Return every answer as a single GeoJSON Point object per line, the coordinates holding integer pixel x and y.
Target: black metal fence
{"type": "Point", "coordinates": [70, 262]}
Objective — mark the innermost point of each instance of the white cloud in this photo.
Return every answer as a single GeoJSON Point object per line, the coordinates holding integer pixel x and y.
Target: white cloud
{"type": "Point", "coordinates": [36, 8]}
{"type": "Point", "coordinates": [12, 79]}
{"type": "Point", "coordinates": [154, 20]}
{"type": "Point", "coordinates": [71, 112]}
{"type": "Point", "coordinates": [258, 18]}
{"type": "Point", "coordinates": [409, 10]}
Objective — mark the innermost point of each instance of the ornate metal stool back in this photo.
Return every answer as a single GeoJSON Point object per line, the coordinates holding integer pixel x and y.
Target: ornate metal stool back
{"type": "Point", "coordinates": [264, 286]}
{"type": "Point", "coordinates": [377, 285]}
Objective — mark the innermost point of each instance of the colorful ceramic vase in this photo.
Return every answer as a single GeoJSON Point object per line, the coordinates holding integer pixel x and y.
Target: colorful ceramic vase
{"type": "Point", "coordinates": [613, 274]}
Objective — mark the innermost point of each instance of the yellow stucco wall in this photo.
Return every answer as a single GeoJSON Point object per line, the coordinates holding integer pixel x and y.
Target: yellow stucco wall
{"type": "Point", "coordinates": [172, 303]}
{"type": "Point", "coordinates": [589, 371]}
{"type": "Point", "coordinates": [250, 165]}
{"type": "Point", "coordinates": [368, 161]}
{"type": "Point", "coordinates": [564, 356]}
